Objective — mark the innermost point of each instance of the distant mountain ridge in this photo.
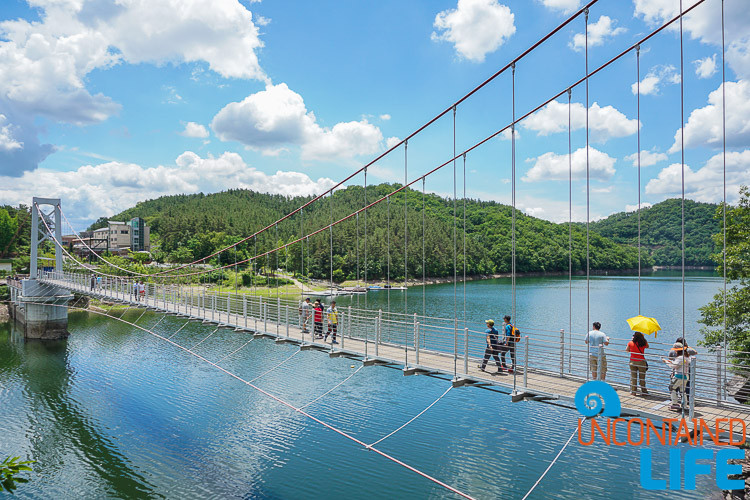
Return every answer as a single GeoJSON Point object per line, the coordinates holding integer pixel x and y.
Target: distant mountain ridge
{"type": "Point", "coordinates": [186, 227]}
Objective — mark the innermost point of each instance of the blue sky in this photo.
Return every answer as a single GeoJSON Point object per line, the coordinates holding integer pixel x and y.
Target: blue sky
{"type": "Point", "coordinates": [106, 103]}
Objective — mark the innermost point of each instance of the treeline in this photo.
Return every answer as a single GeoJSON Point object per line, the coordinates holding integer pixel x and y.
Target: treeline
{"type": "Point", "coordinates": [188, 227]}
{"type": "Point", "coordinates": [661, 231]}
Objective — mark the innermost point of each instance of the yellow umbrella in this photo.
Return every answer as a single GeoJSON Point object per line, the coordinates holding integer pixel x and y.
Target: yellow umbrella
{"type": "Point", "coordinates": [644, 325]}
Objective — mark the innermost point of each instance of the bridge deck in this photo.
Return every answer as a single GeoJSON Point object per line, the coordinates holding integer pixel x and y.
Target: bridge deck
{"type": "Point", "coordinates": [539, 384]}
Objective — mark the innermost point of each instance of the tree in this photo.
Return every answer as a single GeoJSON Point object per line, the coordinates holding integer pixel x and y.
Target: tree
{"type": "Point", "coordinates": [9, 470]}
{"type": "Point", "coordinates": [8, 228]}
{"type": "Point", "coordinates": [738, 273]}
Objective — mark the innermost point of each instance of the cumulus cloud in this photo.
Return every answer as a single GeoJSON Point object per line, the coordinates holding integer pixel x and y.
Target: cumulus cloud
{"type": "Point", "coordinates": [277, 117]}
{"type": "Point", "coordinates": [193, 129]}
{"type": "Point", "coordinates": [45, 63]}
{"type": "Point", "coordinates": [604, 122]}
{"type": "Point", "coordinates": [7, 141]}
{"type": "Point", "coordinates": [706, 183]}
{"type": "Point", "coordinates": [507, 134]}
{"type": "Point", "coordinates": [633, 208]}
{"type": "Point", "coordinates": [552, 166]}
{"type": "Point", "coordinates": [385, 117]}
{"type": "Point", "coordinates": [475, 27]}
{"type": "Point", "coordinates": [648, 158]}
{"type": "Point", "coordinates": [391, 141]}
{"type": "Point", "coordinates": [599, 32]}
{"type": "Point", "coordinates": [706, 67]}
{"type": "Point", "coordinates": [565, 6]}
{"type": "Point", "coordinates": [704, 126]}
{"type": "Point", "coordinates": [704, 24]}
{"type": "Point", "coordinates": [658, 75]}
{"type": "Point", "coordinates": [93, 191]}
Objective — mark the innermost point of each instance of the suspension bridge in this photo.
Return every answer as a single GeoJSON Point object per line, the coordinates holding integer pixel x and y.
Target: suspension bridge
{"type": "Point", "coordinates": [551, 364]}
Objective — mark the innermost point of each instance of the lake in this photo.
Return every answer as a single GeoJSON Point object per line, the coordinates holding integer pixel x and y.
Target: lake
{"type": "Point", "coordinates": [116, 413]}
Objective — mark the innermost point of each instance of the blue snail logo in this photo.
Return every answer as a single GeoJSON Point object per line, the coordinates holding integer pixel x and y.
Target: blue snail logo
{"type": "Point", "coordinates": [597, 397]}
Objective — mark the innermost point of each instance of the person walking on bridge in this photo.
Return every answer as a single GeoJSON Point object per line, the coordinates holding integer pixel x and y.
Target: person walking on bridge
{"type": "Point", "coordinates": [596, 340]}
{"type": "Point", "coordinates": [508, 344]}
{"type": "Point", "coordinates": [318, 319]}
{"type": "Point", "coordinates": [492, 347]}
{"type": "Point", "coordinates": [304, 312]}
{"type": "Point", "coordinates": [333, 322]}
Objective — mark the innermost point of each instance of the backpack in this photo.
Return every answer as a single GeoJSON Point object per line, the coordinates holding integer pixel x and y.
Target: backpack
{"type": "Point", "coordinates": [516, 334]}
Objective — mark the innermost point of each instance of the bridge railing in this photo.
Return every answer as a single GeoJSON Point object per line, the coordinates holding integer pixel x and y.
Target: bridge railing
{"type": "Point", "coordinates": [560, 354]}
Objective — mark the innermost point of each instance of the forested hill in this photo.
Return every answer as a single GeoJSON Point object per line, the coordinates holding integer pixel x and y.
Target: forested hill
{"type": "Point", "coordinates": [661, 231]}
{"type": "Point", "coordinates": [193, 226]}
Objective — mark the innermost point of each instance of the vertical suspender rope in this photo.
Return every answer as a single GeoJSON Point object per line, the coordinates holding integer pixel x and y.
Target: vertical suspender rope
{"type": "Point", "coordinates": [276, 273]}
{"type": "Point", "coordinates": [365, 238]}
{"type": "Point", "coordinates": [358, 282]}
{"type": "Point", "coordinates": [682, 168]}
{"type": "Point", "coordinates": [588, 260]}
{"type": "Point", "coordinates": [570, 228]}
{"type": "Point", "coordinates": [406, 274]}
{"type": "Point", "coordinates": [724, 199]}
{"type": "Point", "coordinates": [638, 116]}
{"type": "Point", "coordinates": [255, 269]}
{"type": "Point", "coordinates": [388, 259]}
{"type": "Point", "coordinates": [235, 271]}
{"type": "Point", "coordinates": [513, 195]}
{"type": "Point", "coordinates": [464, 240]}
{"type": "Point", "coordinates": [455, 311]}
{"type": "Point", "coordinates": [424, 271]}
{"type": "Point", "coordinates": [682, 179]}
{"type": "Point", "coordinates": [302, 258]}
{"type": "Point", "coordinates": [330, 236]}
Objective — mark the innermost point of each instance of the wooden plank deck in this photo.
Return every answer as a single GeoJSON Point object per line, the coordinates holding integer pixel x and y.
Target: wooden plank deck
{"type": "Point", "coordinates": [539, 385]}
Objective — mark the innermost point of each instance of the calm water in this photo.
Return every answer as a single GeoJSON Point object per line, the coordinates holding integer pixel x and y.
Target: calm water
{"type": "Point", "coordinates": [116, 413]}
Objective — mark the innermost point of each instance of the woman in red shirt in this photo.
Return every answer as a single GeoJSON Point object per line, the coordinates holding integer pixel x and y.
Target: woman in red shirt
{"type": "Point", "coordinates": [638, 363]}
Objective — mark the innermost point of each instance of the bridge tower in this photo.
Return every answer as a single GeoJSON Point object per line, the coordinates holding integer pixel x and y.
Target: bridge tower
{"type": "Point", "coordinates": [41, 307]}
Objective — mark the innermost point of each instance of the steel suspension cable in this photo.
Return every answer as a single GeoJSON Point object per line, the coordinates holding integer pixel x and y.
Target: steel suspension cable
{"type": "Point", "coordinates": [331, 389]}
{"type": "Point", "coordinates": [330, 232]}
{"type": "Point", "coordinates": [464, 185]}
{"type": "Point", "coordinates": [388, 259]}
{"type": "Point", "coordinates": [554, 460]}
{"type": "Point", "coordinates": [358, 280]}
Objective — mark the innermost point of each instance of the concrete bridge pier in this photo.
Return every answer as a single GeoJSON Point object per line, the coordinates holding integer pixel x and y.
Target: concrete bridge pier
{"type": "Point", "coordinates": [42, 310]}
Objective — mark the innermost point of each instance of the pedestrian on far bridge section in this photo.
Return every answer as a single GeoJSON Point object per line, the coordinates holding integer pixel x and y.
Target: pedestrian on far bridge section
{"type": "Point", "coordinates": [596, 340]}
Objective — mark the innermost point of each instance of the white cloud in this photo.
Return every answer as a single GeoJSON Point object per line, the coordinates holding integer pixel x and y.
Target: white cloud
{"type": "Point", "coordinates": [45, 63]}
{"type": "Point", "coordinates": [648, 158]}
{"type": "Point", "coordinates": [193, 129]}
{"type": "Point", "coordinates": [277, 116]}
{"type": "Point", "coordinates": [651, 83]}
{"type": "Point", "coordinates": [391, 141]}
{"type": "Point", "coordinates": [551, 166]}
{"type": "Point", "coordinates": [507, 134]}
{"type": "Point", "coordinates": [706, 67]}
{"type": "Point", "coordinates": [599, 32]}
{"type": "Point", "coordinates": [385, 117]}
{"type": "Point", "coordinates": [103, 190]}
{"type": "Point", "coordinates": [704, 126]}
{"type": "Point", "coordinates": [706, 183]}
{"type": "Point", "coordinates": [475, 27]}
{"type": "Point", "coordinates": [633, 208]}
{"type": "Point", "coordinates": [704, 24]}
{"type": "Point", "coordinates": [566, 6]}
{"type": "Point", "coordinates": [604, 122]}
{"type": "Point", "coordinates": [7, 141]}
{"type": "Point", "coordinates": [601, 190]}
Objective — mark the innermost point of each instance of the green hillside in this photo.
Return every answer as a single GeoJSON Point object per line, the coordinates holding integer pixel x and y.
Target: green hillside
{"type": "Point", "coordinates": [187, 227]}
{"type": "Point", "coordinates": [661, 231]}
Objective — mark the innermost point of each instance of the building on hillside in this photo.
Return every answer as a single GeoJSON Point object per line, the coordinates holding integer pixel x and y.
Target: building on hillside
{"type": "Point", "coordinates": [118, 237]}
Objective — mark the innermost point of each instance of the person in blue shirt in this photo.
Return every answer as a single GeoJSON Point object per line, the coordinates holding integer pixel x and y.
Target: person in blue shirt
{"type": "Point", "coordinates": [493, 345]}
{"type": "Point", "coordinates": [508, 344]}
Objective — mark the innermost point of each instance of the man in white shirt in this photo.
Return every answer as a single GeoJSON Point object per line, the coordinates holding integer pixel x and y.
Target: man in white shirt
{"type": "Point", "coordinates": [596, 338]}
